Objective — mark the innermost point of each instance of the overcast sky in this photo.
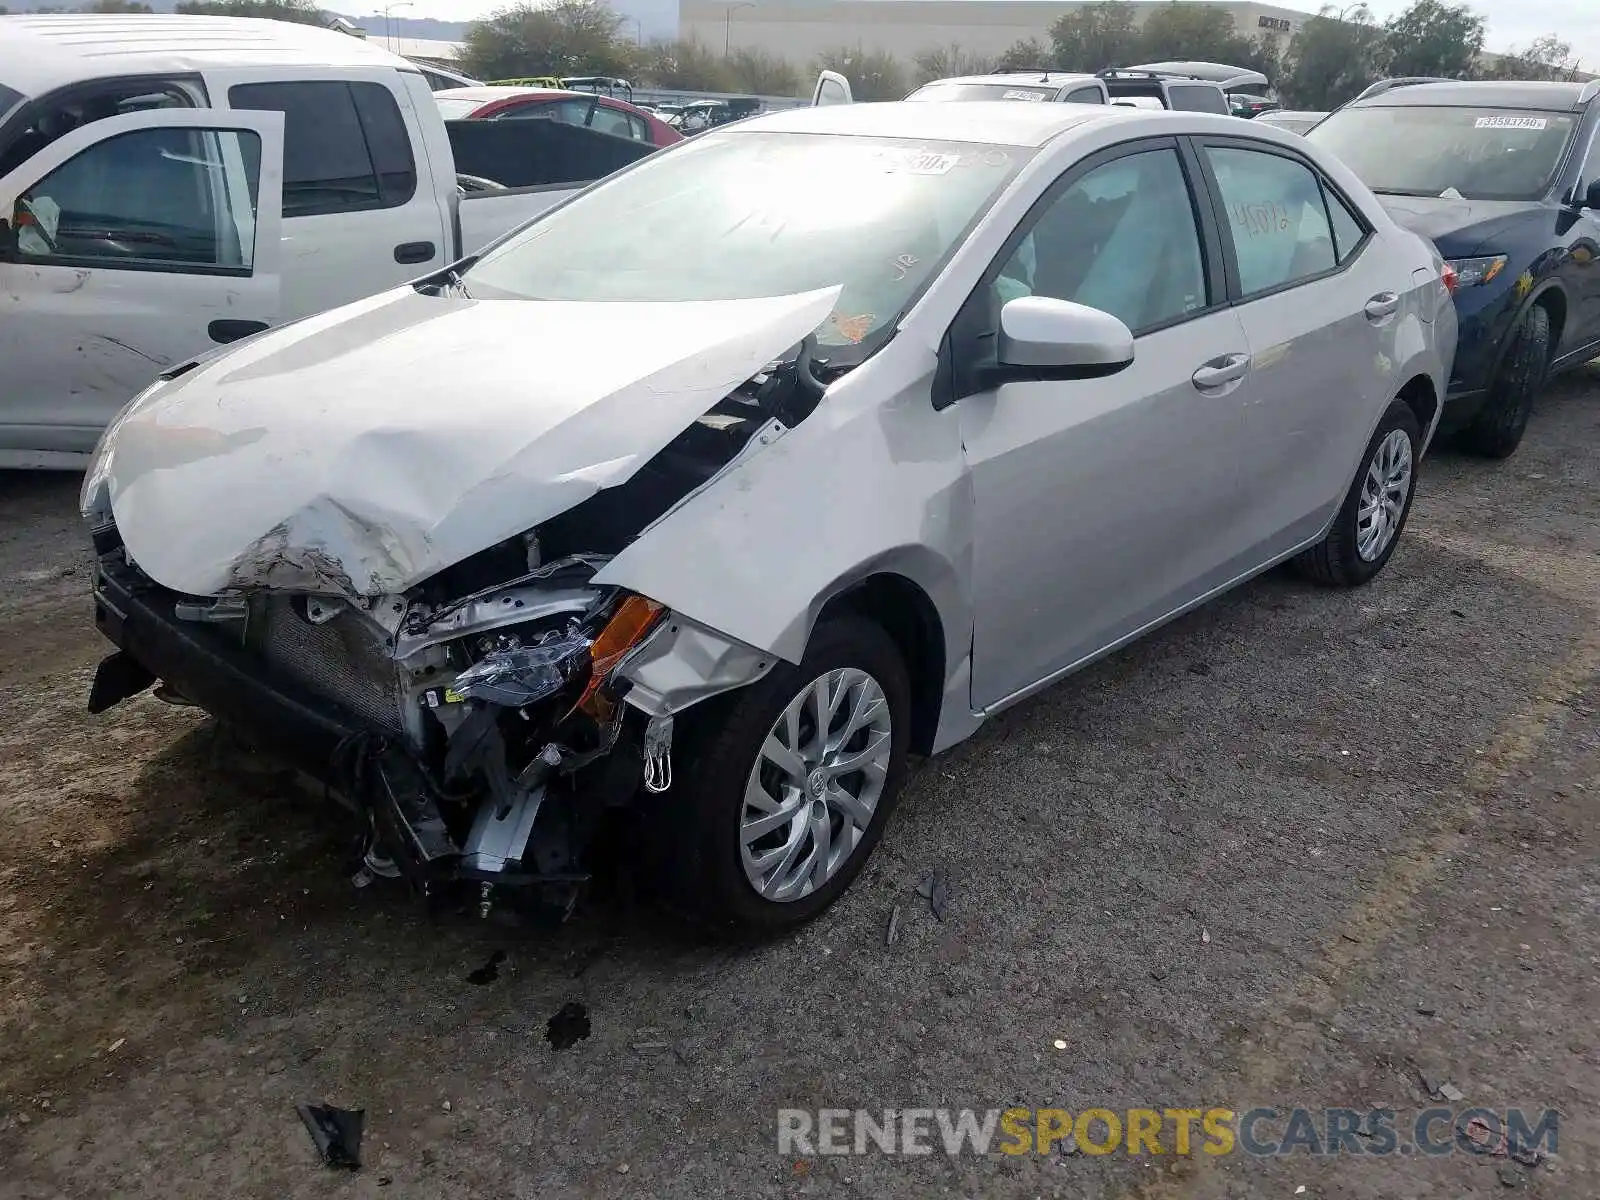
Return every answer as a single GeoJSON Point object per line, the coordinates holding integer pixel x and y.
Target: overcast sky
{"type": "Point", "coordinates": [1511, 22]}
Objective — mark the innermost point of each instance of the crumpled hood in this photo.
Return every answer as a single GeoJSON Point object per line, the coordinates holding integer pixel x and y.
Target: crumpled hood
{"type": "Point", "coordinates": [363, 450]}
{"type": "Point", "coordinates": [1457, 227]}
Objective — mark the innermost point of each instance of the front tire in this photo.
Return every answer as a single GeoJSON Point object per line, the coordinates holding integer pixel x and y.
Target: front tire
{"type": "Point", "coordinates": [1374, 512]}
{"type": "Point", "coordinates": [1497, 430]}
{"type": "Point", "coordinates": [787, 786]}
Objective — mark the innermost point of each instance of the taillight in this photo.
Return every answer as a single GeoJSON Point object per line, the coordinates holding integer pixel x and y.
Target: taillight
{"type": "Point", "coordinates": [1450, 277]}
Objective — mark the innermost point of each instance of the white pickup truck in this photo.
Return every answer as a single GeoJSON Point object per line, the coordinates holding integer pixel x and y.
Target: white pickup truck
{"type": "Point", "coordinates": [172, 183]}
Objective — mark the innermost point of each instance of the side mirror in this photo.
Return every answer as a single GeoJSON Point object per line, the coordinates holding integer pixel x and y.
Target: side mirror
{"type": "Point", "coordinates": [1045, 338]}
{"type": "Point", "coordinates": [1591, 195]}
{"type": "Point", "coordinates": [8, 240]}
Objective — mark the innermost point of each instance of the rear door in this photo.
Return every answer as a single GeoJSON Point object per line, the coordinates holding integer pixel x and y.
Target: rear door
{"type": "Point", "coordinates": [360, 207]}
{"type": "Point", "coordinates": [1321, 312]}
{"type": "Point", "coordinates": [133, 243]}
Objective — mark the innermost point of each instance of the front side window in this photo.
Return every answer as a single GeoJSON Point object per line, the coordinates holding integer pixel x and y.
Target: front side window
{"type": "Point", "coordinates": [1276, 216]}
{"type": "Point", "coordinates": [150, 199]}
{"type": "Point", "coordinates": [79, 106]}
{"type": "Point", "coordinates": [1454, 153]}
{"type": "Point", "coordinates": [750, 214]}
{"type": "Point", "coordinates": [1122, 239]}
{"type": "Point", "coordinates": [345, 145]}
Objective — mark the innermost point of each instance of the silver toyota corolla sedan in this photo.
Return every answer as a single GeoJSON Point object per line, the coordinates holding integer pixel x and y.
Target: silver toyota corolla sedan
{"type": "Point", "coordinates": [787, 453]}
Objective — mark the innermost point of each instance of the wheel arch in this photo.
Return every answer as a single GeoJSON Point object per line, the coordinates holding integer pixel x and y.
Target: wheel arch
{"type": "Point", "coordinates": [905, 611]}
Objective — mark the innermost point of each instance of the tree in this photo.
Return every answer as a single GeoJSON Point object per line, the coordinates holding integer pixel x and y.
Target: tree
{"type": "Point", "coordinates": [873, 74]}
{"type": "Point", "coordinates": [116, 6]}
{"type": "Point", "coordinates": [302, 11]}
{"type": "Point", "coordinates": [567, 37]}
{"type": "Point", "coordinates": [947, 63]}
{"type": "Point", "coordinates": [1190, 32]}
{"type": "Point", "coordinates": [686, 66]}
{"type": "Point", "coordinates": [1545, 58]}
{"type": "Point", "coordinates": [1029, 52]}
{"type": "Point", "coordinates": [1434, 38]}
{"type": "Point", "coordinates": [1094, 37]}
{"type": "Point", "coordinates": [753, 70]}
{"type": "Point", "coordinates": [1335, 55]}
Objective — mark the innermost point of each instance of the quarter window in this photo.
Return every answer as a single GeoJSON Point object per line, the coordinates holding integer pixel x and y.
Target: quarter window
{"type": "Point", "coordinates": [1348, 231]}
{"type": "Point", "coordinates": [345, 145]}
{"type": "Point", "coordinates": [149, 199]}
{"type": "Point", "coordinates": [1122, 239]}
{"type": "Point", "coordinates": [1277, 218]}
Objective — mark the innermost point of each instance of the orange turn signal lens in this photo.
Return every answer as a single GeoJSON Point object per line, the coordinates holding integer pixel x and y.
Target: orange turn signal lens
{"type": "Point", "coordinates": [634, 618]}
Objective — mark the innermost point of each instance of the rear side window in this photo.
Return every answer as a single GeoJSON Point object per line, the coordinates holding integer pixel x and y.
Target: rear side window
{"type": "Point", "coordinates": [1086, 96]}
{"type": "Point", "coordinates": [345, 145]}
{"type": "Point", "coordinates": [1277, 217]}
{"type": "Point", "coordinates": [1348, 231]}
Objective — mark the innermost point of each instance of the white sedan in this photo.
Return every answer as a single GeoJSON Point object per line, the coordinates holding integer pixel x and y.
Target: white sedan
{"type": "Point", "coordinates": [786, 453]}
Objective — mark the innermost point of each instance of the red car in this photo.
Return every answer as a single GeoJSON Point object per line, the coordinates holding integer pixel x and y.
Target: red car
{"type": "Point", "coordinates": [548, 104]}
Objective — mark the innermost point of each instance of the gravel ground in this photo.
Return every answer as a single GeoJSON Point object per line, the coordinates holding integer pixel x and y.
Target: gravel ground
{"type": "Point", "coordinates": [1290, 851]}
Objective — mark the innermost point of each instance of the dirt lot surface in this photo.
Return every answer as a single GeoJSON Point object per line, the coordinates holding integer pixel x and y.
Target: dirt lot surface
{"type": "Point", "coordinates": [1293, 850]}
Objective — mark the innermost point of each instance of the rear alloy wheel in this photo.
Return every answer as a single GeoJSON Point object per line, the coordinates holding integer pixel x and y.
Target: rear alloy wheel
{"type": "Point", "coordinates": [1368, 525]}
{"type": "Point", "coordinates": [785, 786]}
{"type": "Point", "coordinates": [1497, 430]}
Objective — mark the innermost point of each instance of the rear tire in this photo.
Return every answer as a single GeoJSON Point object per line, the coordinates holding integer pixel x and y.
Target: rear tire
{"type": "Point", "coordinates": [706, 816]}
{"type": "Point", "coordinates": [1497, 430]}
{"type": "Point", "coordinates": [1356, 548]}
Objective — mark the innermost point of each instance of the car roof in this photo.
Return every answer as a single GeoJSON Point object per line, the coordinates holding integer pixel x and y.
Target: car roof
{"type": "Point", "coordinates": [1018, 78]}
{"type": "Point", "coordinates": [1000, 122]}
{"type": "Point", "coordinates": [485, 93]}
{"type": "Point", "coordinates": [1486, 94]}
{"type": "Point", "coordinates": [1290, 114]}
{"type": "Point", "coordinates": [44, 52]}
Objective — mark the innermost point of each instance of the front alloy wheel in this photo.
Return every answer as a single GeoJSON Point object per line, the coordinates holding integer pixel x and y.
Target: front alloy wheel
{"type": "Point", "coordinates": [816, 783]}
{"type": "Point", "coordinates": [784, 786]}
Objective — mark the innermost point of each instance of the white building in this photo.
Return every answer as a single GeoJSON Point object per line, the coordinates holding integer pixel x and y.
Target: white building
{"type": "Point", "coordinates": [799, 30]}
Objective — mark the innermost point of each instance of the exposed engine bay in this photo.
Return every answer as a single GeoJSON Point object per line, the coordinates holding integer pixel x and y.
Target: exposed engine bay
{"type": "Point", "coordinates": [486, 719]}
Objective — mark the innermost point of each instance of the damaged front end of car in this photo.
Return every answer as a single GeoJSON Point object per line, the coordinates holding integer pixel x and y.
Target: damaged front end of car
{"type": "Point", "coordinates": [481, 720]}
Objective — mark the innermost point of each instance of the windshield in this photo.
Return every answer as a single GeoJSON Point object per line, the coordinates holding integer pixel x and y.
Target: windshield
{"type": "Point", "coordinates": [983, 91]}
{"type": "Point", "coordinates": [455, 110]}
{"type": "Point", "coordinates": [1471, 153]}
{"type": "Point", "coordinates": [746, 215]}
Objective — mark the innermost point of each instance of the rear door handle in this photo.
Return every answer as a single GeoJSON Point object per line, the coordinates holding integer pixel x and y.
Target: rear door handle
{"type": "Point", "coordinates": [1220, 372]}
{"type": "Point", "coordinates": [1382, 306]}
{"type": "Point", "coordinates": [223, 332]}
{"type": "Point", "coordinates": [414, 252]}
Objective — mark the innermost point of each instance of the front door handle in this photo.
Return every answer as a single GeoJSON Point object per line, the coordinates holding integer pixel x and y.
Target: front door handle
{"type": "Point", "coordinates": [1220, 372]}
{"type": "Point", "coordinates": [223, 332]}
{"type": "Point", "coordinates": [1382, 306]}
{"type": "Point", "coordinates": [414, 252]}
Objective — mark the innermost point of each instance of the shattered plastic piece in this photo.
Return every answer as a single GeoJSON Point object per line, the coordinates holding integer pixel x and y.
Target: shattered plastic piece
{"type": "Point", "coordinates": [658, 754]}
{"type": "Point", "coordinates": [336, 1132]}
{"type": "Point", "coordinates": [568, 1027]}
{"type": "Point", "coordinates": [1451, 1092]}
{"type": "Point", "coordinates": [1205, 936]}
{"type": "Point", "coordinates": [936, 892]}
{"type": "Point", "coordinates": [489, 972]}
{"type": "Point", "coordinates": [892, 935]}
{"type": "Point", "coordinates": [520, 675]}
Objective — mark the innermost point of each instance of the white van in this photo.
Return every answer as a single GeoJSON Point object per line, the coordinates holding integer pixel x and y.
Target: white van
{"type": "Point", "coordinates": [173, 183]}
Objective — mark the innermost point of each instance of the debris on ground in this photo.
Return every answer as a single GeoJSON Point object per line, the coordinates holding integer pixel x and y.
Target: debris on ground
{"type": "Point", "coordinates": [1205, 936]}
{"type": "Point", "coordinates": [1199, 668]}
{"type": "Point", "coordinates": [336, 1132]}
{"type": "Point", "coordinates": [1451, 1092]}
{"type": "Point", "coordinates": [1488, 1140]}
{"type": "Point", "coordinates": [892, 934]}
{"type": "Point", "coordinates": [651, 1047]}
{"type": "Point", "coordinates": [568, 1027]}
{"type": "Point", "coordinates": [116, 1045]}
{"type": "Point", "coordinates": [489, 972]}
{"type": "Point", "coordinates": [936, 892]}
{"type": "Point", "coordinates": [1426, 1010]}
{"type": "Point", "coordinates": [1509, 1176]}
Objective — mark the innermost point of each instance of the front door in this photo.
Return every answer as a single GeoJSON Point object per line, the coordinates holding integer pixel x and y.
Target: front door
{"type": "Point", "coordinates": [1102, 505]}
{"type": "Point", "coordinates": [129, 245]}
